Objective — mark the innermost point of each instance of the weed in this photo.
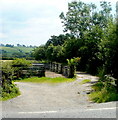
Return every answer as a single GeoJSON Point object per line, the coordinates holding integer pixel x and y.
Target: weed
{"type": "Point", "coordinates": [103, 92]}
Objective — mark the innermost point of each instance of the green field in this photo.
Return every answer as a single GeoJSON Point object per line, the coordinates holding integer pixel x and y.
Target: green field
{"type": "Point", "coordinates": [15, 51]}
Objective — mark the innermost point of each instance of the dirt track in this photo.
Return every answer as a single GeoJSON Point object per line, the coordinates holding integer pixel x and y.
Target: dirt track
{"type": "Point", "coordinates": [66, 99]}
{"type": "Point", "coordinates": [49, 97]}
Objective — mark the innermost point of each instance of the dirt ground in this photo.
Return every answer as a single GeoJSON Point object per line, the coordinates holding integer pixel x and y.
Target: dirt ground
{"type": "Point", "coordinates": [52, 74]}
{"type": "Point", "coordinates": [47, 96]}
{"type": "Point", "coordinates": [37, 98]}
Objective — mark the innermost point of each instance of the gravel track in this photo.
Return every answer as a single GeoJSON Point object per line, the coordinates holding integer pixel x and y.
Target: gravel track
{"type": "Point", "coordinates": [47, 97]}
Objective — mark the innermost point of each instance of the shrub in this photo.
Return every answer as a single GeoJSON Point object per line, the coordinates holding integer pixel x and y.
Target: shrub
{"type": "Point", "coordinates": [101, 73]}
{"type": "Point", "coordinates": [21, 63]}
{"type": "Point", "coordinates": [104, 91]}
{"type": "Point", "coordinates": [18, 65]}
{"type": "Point", "coordinates": [7, 73]}
{"type": "Point", "coordinates": [72, 63]}
{"type": "Point", "coordinates": [104, 95]}
{"type": "Point", "coordinates": [10, 91]}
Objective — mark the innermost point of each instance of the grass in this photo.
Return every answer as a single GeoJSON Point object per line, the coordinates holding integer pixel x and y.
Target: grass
{"type": "Point", "coordinates": [9, 96]}
{"type": "Point", "coordinates": [24, 49]}
{"type": "Point", "coordinates": [103, 96]}
{"type": "Point", "coordinates": [85, 81]}
{"type": "Point", "coordinates": [103, 93]}
{"type": "Point", "coordinates": [5, 95]}
{"type": "Point", "coordinates": [15, 49]}
{"type": "Point", "coordinates": [46, 80]}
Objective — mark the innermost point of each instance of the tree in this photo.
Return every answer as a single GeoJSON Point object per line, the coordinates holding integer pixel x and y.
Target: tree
{"type": "Point", "coordinates": [71, 48]}
{"type": "Point", "coordinates": [9, 45]}
{"type": "Point", "coordinates": [18, 45]}
{"type": "Point", "coordinates": [24, 46]}
{"type": "Point", "coordinates": [87, 25]}
{"type": "Point", "coordinates": [108, 50]}
{"type": "Point", "coordinates": [58, 40]}
{"type": "Point", "coordinates": [2, 45]}
{"type": "Point", "coordinates": [77, 18]}
{"type": "Point", "coordinates": [55, 53]}
{"type": "Point", "coordinates": [39, 53]}
{"type": "Point", "coordinates": [81, 16]}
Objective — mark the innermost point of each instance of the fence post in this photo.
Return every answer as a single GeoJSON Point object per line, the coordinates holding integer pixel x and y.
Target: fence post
{"type": "Point", "coordinates": [59, 68]}
{"type": "Point", "coordinates": [71, 71]}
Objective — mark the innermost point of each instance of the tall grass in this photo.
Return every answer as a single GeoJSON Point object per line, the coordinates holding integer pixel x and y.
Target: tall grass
{"type": "Point", "coordinates": [103, 92]}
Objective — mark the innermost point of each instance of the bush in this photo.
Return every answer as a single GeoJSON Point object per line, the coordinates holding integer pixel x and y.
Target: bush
{"type": "Point", "coordinates": [104, 95]}
{"type": "Point", "coordinates": [101, 73]}
{"type": "Point", "coordinates": [10, 91]}
{"type": "Point", "coordinates": [72, 63]}
{"type": "Point", "coordinates": [21, 63]}
{"type": "Point", "coordinates": [18, 65]}
{"type": "Point", "coordinates": [104, 91]}
{"type": "Point", "coordinates": [7, 73]}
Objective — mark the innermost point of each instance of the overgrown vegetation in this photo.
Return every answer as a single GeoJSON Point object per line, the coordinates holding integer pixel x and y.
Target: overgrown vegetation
{"type": "Point", "coordinates": [72, 63]}
{"type": "Point", "coordinates": [11, 70]}
{"type": "Point", "coordinates": [47, 80]}
{"type": "Point", "coordinates": [9, 91]}
{"type": "Point", "coordinates": [103, 92]}
{"type": "Point", "coordinates": [18, 65]}
{"type": "Point", "coordinates": [105, 89]}
{"type": "Point", "coordinates": [91, 34]}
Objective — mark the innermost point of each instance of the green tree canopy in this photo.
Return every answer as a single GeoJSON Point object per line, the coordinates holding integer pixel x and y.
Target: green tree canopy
{"type": "Point", "coordinates": [81, 16]}
{"type": "Point", "coordinates": [39, 53]}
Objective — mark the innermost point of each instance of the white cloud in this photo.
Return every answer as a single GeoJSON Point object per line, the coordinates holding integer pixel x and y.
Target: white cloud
{"type": "Point", "coordinates": [33, 21]}
{"type": "Point", "coordinates": [2, 35]}
{"type": "Point", "coordinates": [32, 4]}
{"type": "Point", "coordinates": [37, 30]}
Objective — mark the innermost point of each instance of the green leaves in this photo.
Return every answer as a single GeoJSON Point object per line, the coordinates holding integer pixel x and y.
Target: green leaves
{"type": "Point", "coordinates": [73, 61]}
{"type": "Point", "coordinates": [77, 18]}
{"type": "Point", "coordinates": [81, 17]}
{"type": "Point", "coordinates": [39, 53]}
{"type": "Point", "coordinates": [20, 63]}
{"type": "Point", "coordinates": [55, 53]}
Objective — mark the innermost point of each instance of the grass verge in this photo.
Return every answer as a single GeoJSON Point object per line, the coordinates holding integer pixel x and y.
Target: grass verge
{"type": "Point", "coordinates": [10, 92]}
{"type": "Point", "coordinates": [46, 80]}
{"type": "Point", "coordinates": [85, 81]}
{"type": "Point", "coordinates": [103, 92]}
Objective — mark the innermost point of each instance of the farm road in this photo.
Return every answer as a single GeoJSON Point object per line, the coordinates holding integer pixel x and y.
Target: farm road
{"type": "Point", "coordinates": [43, 100]}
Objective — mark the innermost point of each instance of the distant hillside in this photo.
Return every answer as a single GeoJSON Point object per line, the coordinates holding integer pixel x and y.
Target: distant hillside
{"type": "Point", "coordinates": [15, 52]}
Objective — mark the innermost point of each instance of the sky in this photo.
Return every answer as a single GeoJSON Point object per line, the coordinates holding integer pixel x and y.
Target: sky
{"type": "Point", "coordinates": [33, 22]}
